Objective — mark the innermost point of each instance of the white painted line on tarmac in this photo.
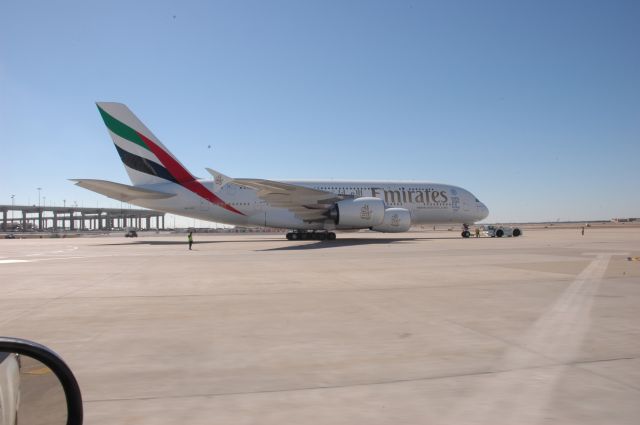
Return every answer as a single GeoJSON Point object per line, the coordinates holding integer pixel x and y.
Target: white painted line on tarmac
{"type": "Point", "coordinates": [521, 396]}
{"type": "Point", "coordinates": [59, 258]}
{"type": "Point", "coordinates": [59, 251]}
{"type": "Point", "coordinates": [39, 259]}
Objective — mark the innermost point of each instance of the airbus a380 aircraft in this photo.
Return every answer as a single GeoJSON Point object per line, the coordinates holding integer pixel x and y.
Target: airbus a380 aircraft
{"type": "Point", "coordinates": [313, 209]}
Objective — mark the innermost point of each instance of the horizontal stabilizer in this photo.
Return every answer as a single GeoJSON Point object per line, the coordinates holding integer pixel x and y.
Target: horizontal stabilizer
{"type": "Point", "coordinates": [121, 192]}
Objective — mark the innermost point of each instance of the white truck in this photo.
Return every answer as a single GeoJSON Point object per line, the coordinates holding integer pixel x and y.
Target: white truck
{"type": "Point", "coordinates": [502, 231]}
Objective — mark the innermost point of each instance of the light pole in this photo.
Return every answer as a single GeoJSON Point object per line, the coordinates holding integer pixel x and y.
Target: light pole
{"type": "Point", "coordinates": [12, 204]}
{"type": "Point", "coordinates": [39, 189]}
{"type": "Point", "coordinates": [44, 203]}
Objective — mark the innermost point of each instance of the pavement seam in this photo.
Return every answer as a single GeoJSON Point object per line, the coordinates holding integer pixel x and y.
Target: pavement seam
{"type": "Point", "coordinates": [580, 365]}
{"type": "Point", "coordinates": [242, 294]}
{"type": "Point", "coordinates": [361, 384]}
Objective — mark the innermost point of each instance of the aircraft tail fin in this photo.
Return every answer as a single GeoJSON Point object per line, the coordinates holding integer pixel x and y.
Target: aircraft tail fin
{"type": "Point", "coordinates": [145, 158]}
{"type": "Point", "coordinates": [219, 179]}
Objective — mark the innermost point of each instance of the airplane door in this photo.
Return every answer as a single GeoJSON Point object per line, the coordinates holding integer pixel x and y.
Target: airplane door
{"type": "Point", "coordinates": [465, 205]}
{"type": "Point", "coordinates": [260, 210]}
{"type": "Point", "coordinates": [455, 201]}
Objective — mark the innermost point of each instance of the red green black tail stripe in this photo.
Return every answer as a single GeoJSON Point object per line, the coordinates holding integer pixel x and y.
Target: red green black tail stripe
{"type": "Point", "coordinates": [121, 129]}
{"type": "Point", "coordinates": [144, 165]}
{"type": "Point", "coordinates": [170, 170]}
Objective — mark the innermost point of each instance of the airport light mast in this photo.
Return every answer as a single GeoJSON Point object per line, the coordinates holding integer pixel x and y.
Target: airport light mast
{"type": "Point", "coordinates": [12, 205]}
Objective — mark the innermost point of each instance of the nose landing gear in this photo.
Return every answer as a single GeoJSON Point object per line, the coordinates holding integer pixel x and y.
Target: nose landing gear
{"type": "Point", "coordinates": [465, 231]}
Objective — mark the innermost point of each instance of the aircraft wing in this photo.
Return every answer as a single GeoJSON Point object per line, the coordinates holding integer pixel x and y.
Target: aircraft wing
{"type": "Point", "coordinates": [308, 204]}
{"type": "Point", "coordinates": [121, 192]}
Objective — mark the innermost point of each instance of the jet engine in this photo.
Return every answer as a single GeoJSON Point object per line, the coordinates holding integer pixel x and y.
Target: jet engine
{"type": "Point", "coordinates": [358, 213]}
{"type": "Point", "coordinates": [396, 220]}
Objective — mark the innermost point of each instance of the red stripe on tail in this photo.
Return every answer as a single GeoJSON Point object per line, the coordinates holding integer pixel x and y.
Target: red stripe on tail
{"type": "Point", "coordinates": [184, 177]}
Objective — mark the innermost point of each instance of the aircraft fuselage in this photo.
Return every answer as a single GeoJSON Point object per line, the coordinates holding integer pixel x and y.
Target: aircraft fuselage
{"type": "Point", "coordinates": [428, 203]}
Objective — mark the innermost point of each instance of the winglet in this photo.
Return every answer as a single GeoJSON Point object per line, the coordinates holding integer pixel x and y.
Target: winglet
{"type": "Point", "coordinates": [219, 179]}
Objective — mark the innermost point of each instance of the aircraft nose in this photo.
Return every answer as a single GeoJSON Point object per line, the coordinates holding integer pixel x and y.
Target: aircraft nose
{"type": "Point", "coordinates": [481, 211]}
{"type": "Point", "coordinates": [484, 210]}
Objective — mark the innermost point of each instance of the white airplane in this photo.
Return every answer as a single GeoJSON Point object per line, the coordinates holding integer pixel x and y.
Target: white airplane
{"type": "Point", "coordinates": [312, 209]}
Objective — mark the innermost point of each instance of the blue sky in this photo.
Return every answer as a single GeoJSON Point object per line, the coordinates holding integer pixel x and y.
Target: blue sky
{"type": "Point", "coordinates": [533, 106]}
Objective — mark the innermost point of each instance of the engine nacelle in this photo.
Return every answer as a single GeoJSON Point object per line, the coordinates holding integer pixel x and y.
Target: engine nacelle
{"type": "Point", "coordinates": [396, 220]}
{"type": "Point", "coordinates": [358, 213]}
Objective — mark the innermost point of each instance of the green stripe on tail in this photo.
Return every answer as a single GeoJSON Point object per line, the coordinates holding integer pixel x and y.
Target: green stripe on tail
{"type": "Point", "coordinates": [122, 130]}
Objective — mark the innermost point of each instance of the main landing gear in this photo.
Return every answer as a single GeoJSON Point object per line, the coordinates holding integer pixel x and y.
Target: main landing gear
{"type": "Point", "coordinates": [306, 236]}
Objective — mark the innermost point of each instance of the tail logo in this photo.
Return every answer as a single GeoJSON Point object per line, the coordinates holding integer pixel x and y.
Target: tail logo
{"type": "Point", "coordinates": [168, 169]}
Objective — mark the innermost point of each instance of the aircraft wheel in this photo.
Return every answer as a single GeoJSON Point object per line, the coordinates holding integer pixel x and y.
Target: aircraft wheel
{"type": "Point", "coordinates": [331, 236]}
{"type": "Point", "coordinates": [516, 232]}
{"type": "Point", "coordinates": [466, 234]}
{"type": "Point", "coordinates": [294, 236]}
{"type": "Point", "coordinates": [289, 236]}
{"type": "Point", "coordinates": [321, 236]}
{"type": "Point", "coordinates": [500, 233]}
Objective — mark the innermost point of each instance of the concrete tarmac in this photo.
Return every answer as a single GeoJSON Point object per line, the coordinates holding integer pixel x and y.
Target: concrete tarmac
{"type": "Point", "coordinates": [416, 328]}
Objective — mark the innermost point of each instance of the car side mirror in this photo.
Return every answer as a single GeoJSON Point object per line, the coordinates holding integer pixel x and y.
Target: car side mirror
{"type": "Point", "coordinates": [36, 386]}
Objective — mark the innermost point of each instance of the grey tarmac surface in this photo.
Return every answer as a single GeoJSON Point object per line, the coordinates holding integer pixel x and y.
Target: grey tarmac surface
{"type": "Point", "coordinates": [416, 328]}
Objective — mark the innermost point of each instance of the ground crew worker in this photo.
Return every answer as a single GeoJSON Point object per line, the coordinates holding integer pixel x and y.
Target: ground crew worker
{"type": "Point", "coordinates": [477, 232]}
{"type": "Point", "coordinates": [190, 238]}
{"type": "Point", "coordinates": [582, 230]}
